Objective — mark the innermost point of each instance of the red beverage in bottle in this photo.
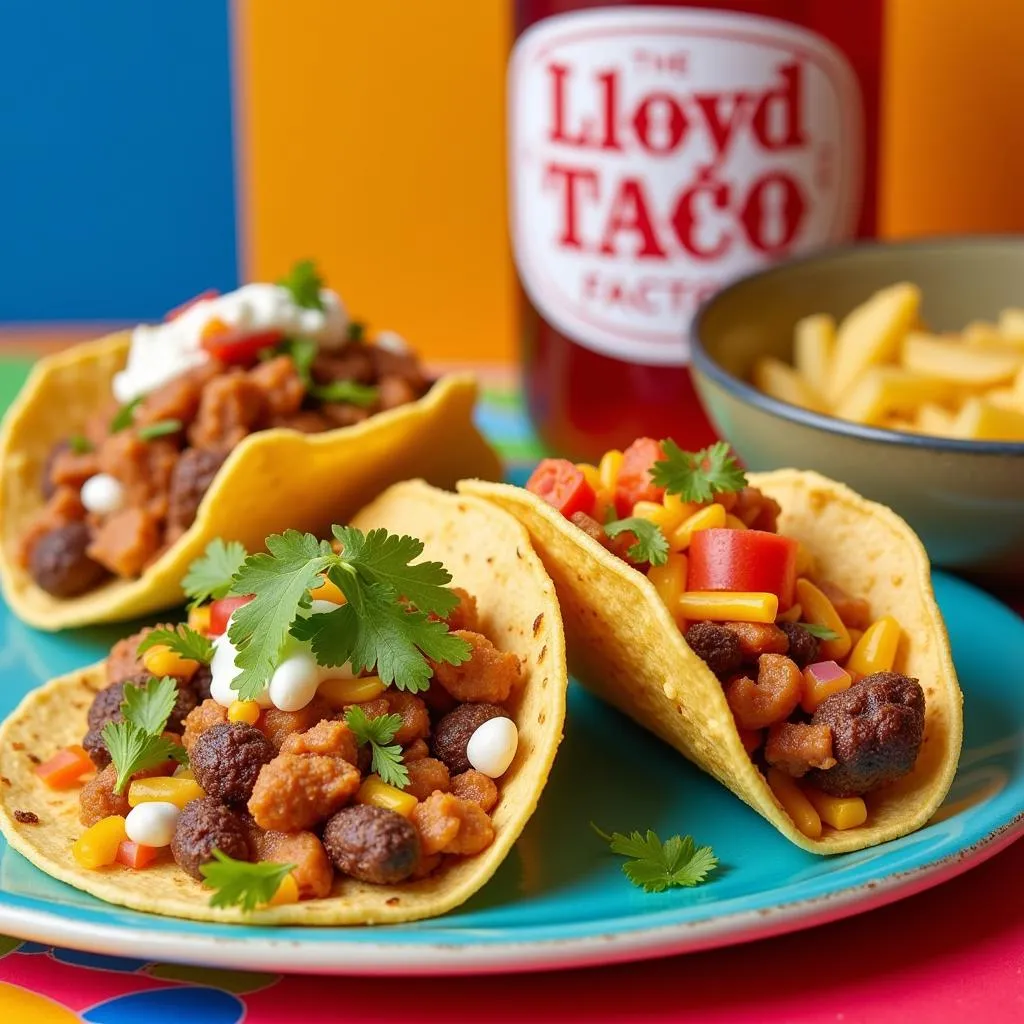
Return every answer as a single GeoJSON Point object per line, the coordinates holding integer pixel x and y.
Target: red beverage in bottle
{"type": "Point", "coordinates": [658, 150]}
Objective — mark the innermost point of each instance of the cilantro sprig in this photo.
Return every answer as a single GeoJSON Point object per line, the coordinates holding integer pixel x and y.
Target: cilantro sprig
{"type": "Point", "coordinates": [125, 416]}
{"type": "Point", "coordinates": [655, 866]}
{"type": "Point", "coordinates": [136, 742]}
{"type": "Point", "coordinates": [183, 640]}
{"type": "Point", "coordinates": [384, 624]}
{"type": "Point", "coordinates": [650, 545]}
{"type": "Point", "coordinates": [821, 632]}
{"type": "Point", "coordinates": [698, 476]}
{"type": "Point", "coordinates": [378, 732]}
{"type": "Point", "coordinates": [210, 576]}
{"type": "Point", "coordinates": [304, 282]}
{"type": "Point", "coordinates": [240, 883]}
{"type": "Point", "coordinates": [161, 428]}
{"type": "Point", "coordinates": [303, 351]}
{"type": "Point", "coordinates": [79, 444]}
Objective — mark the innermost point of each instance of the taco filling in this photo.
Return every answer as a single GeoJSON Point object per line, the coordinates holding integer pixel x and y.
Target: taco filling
{"type": "Point", "coordinates": [121, 492]}
{"type": "Point", "coordinates": [806, 668]}
{"type": "Point", "coordinates": [331, 710]}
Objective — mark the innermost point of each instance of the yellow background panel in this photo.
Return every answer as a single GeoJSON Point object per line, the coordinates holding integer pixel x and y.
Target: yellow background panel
{"type": "Point", "coordinates": [372, 137]}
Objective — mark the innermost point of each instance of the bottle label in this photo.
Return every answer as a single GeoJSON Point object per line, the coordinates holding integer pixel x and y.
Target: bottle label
{"type": "Point", "coordinates": [655, 154]}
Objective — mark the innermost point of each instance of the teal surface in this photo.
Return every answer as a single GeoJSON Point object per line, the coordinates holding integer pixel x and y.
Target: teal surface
{"type": "Point", "coordinates": [559, 882]}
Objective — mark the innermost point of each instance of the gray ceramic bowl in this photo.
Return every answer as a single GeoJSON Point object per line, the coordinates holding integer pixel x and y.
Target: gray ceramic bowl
{"type": "Point", "coordinates": [964, 498]}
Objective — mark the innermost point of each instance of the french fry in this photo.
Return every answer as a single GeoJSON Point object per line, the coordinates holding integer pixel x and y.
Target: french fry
{"type": "Point", "coordinates": [959, 364]}
{"type": "Point", "coordinates": [871, 334]}
{"type": "Point", "coordinates": [980, 420]}
{"type": "Point", "coordinates": [777, 379]}
{"type": "Point", "coordinates": [888, 389]}
{"type": "Point", "coordinates": [1011, 325]}
{"type": "Point", "coordinates": [813, 344]}
{"type": "Point", "coordinates": [934, 419]}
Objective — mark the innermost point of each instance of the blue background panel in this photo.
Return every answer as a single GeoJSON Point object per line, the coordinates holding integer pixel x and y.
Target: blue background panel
{"type": "Point", "coordinates": [117, 195]}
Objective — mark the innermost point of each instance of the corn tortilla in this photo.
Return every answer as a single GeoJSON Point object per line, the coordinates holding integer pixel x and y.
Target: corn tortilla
{"type": "Point", "coordinates": [625, 646]}
{"type": "Point", "coordinates": [489, 554]}
{"type": "Point", "coordinates": [272, 480]}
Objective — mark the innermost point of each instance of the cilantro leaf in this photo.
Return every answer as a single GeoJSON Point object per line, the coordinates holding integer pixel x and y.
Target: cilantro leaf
{"type": "Point", "coordinates": [150, 705]}
{"type": "Point", "coordinates": [161, 428]}
{"type": "Point", "coordinates": [697, 476]}
{"type": "Point", "coordinates": [133, 749]}
{"type": "Point", "coordinates": [302, 351]}
{"type": "Point", "coordinates": [239, 883]}
{"type": "Point", "coordinates": [656, 866]}
{"type": "Point", "coordinates": [386, 758]}
{"type": "Point", "coordinates": [374, 630]}
{"type": "Point", "coordinates": [304, 283]}
{"type": "Point", "coordinates": [80, 445]}
{"type": "Point", "coordinates": [651, 545]}
{"type": "Point", "coordinates": [349, 391]}
{"type": "Point", "coordinates": [125, 416]}
{"type": "Point", "coordinates": [821, 632]}
{"type": "Point", "coordinates": [210, 575]}
{"type": "Point", "coordinates": [183, 640]}
{"type": "Point", "coordinates": [281, 581]}
{"type": "Point", "coordinates": [356, 330]}
{"type": "Point", "coordinates": [382, 557]}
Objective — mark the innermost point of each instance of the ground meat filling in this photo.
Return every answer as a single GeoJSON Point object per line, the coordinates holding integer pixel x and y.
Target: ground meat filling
{"type": "Point", "coordinates": [226, 760]}
{"type": "Point", "coordinates": [803, 646]}
{"type": "Point", "coordinates": [877, 727]}
{"type": "Point", "coordinates": [204, 826]}
{"type": "Point", "coordinates": [717, 646]}
{"type": "Point", "coordinates": [372, 844]}
{"type": "Point", "coordinates": [69, 551]}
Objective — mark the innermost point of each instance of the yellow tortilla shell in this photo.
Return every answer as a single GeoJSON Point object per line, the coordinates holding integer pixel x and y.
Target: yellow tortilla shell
{"type": "Point", "coordinates": [272, 480]}
{"type": "Point", "coordinates": [489, 554]}
{"type": "Point", "coordinates": [624, 645]}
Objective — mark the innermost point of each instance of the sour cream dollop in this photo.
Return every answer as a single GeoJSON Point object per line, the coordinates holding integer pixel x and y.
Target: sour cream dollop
{"type": "Point", "coordinates": [161, 352]}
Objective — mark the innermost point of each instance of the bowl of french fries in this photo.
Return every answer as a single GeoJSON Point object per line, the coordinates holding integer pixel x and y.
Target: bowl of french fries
{"type": "Point", "coordinates": [895, 367]}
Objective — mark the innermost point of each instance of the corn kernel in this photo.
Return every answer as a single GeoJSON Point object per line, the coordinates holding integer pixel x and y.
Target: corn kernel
{"type": "Point", "coordinates": [794, 803]}
{"type": "Point", "coordinates": [841, 812]}
{"type": "Point", "coordinates": [728, 606]}
{"type": "Point", "coordinates": [287, 892]}
{"type": "Point", "coordinates": [710, 517]}
{"type": "Point", "coordinates": [792, 614]}
{"type": "Point", "coordinates": [875, 651]}
{"type": "Point", "coordinates": [339, 692]}
{"type": "Point", "coordinates": [590, 474]}
{"type": "Point", "coordinates": [818, 609]}
{"type": "Point", "coordinates": [213, 328]}
{"type": "Point", "coordinates": [734, 522]}
{"type": "Point", "coordinates": [678, 509]}
{"type": "Point", "coordinates": [166, 789]}
{"type": "Point", "coordinates": [654, 512]}
{"type": "Point", "coordinates": [97, 846]}
{"type": "Point", "coordinates": [247, 711]}
{"type": "Point", "coordinates": [380, 794]}
{"type": "Point", "coordinates": [328, 591]}
{"type": "Point", "coordinates": [199, 619]}
{"type": "Point", "coordinates": [608, 469]}
{"type": "Point", "coordinates": [804, 560]}
{"type": "Point", "coordinates": [670, 580]}
{"type": "Point", "coordinates": [162, 661]}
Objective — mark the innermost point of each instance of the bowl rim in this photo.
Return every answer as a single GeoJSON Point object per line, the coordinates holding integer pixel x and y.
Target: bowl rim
{"type": "Point", "coordinates": [704, 362]}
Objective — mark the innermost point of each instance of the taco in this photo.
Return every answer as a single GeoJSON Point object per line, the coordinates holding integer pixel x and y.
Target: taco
{"type": "Point", "coordinates": [778, 630]}
{"type": "Point", "coordinates": [364, 742]}
{"type": "Point", "coordinates": [122, 458]}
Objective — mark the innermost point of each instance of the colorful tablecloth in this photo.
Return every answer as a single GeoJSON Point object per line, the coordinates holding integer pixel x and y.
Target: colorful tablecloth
{"type": "Point", "coordinates": [952, 954]}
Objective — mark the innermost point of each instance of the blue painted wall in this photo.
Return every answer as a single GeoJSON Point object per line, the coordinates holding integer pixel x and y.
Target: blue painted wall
{"type": "Point", "coordinates": [117, 196]}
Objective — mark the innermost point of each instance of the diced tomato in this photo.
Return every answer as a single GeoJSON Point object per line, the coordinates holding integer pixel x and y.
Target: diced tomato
{"type": "Point", "coordinates": [634, 483]}
{"type": "Point", "coordinates": [210, 293]}
{"type": "Point", "coordinates": [562, 485]}
{"type": "Point", "coordinates": [222, 609]}
{"type": "Point", "coordinates": [743, 560]}
{"type": "Point", "coordinates": [66, 767]}
{"type": "Point", "coordinates": [235, 345]}
{"type": "Point", "coordinates": [135, 855]}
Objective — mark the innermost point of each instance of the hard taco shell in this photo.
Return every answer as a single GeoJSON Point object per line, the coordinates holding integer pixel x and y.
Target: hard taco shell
{"type": "Point", "coordinates": [625, 646]}
{"type": "Point", "coordinates": [272, 480]}
{"type": "Point", "coordinates": [489, 554]}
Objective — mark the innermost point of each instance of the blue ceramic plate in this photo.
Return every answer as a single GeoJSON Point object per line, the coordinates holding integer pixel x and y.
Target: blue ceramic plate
{"type": "Point", "coordinates": [560, 899]}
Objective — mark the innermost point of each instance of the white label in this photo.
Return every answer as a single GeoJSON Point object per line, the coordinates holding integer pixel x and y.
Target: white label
{"type": "Point", "coordinates": [658, 153]}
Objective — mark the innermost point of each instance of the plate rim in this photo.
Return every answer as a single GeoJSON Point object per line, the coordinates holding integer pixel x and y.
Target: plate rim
{"type": "Point", "coordinates": [448, 959]}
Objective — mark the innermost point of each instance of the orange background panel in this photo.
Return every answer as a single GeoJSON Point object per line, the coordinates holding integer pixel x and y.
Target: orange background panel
{"type": "Point", "coordinates": [371, 136]}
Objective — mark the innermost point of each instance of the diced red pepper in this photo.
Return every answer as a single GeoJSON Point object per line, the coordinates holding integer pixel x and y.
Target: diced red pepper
{"type": "Point", "coordinates": [562, 486]}
{"type": "Point", "coordinates": [634, 483]}
{"type": "Point", "coordinates": [222, 609]}
{"type": "Point", "coordinates": [743, 560]}
{"type": "Point", "coordinates": [235, 345]}
{"type": "Point", "coordinates": [66, 767]}
{"type": "Point", "coordinates": [135, 855]}
{"type": "Point", "coordinates": [210, 293]}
